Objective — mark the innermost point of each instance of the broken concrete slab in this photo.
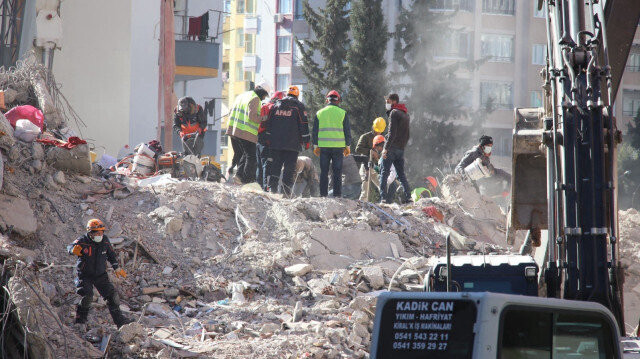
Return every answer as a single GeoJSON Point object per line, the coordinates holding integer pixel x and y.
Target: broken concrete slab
{"type": "Point", "coordinates": [7, 141]}
{"type": "Point", "coordinates": [74, 160]}
{"type": "Point", "coordinates": [328, 246]}
{"type": "Point", "coordinates": [298, 269]}
{"type": "Point", "coordinates": [17, 215]}
{"type": "Point", "coordinates": [374, 275]}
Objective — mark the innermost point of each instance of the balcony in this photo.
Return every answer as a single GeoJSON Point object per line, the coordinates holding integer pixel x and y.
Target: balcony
{"type": "Point", "coordinates": [249, 62]}
{"type": "Point", "coordinates": [250, 25]}
{"type": "Point", "coordinates": [196, 60]}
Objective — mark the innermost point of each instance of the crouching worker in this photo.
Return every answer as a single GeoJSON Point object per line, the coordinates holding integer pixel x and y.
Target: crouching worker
{"type": "Point", "coordinates": [93, 250]}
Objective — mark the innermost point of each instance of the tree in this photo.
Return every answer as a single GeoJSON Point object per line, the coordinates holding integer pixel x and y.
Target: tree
{"type": "Point", "coordinates": [330, 40]}
{"type": "Point", "coordinates": [366, 64]}
{"type": "Point", "coordinates": [629, 166]}
{"type": "Point", "coordinates": [434, 94]}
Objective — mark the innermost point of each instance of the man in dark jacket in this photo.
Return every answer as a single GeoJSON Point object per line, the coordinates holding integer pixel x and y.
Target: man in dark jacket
{"type": "Point", "coordinates": [286, 129]}
{"type": "Point", "coordinates": [262, 151]}
{"type": "Point", "coordinates": [332, 138]}
{"type": "Point", "coordinates": [190, 122]}
{"type": "Point", "coordinates": [365, 143]}
{"type": "Point", "coordinates": [483, 151]}
{"type": "Point", "coordinates": [93, 250]}
{"type": "Point", "coordinates": [393, 153]}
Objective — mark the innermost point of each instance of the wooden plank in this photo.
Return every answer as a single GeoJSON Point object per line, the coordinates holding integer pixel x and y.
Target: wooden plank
{"type": "Point", "coordinates": [152, 290]}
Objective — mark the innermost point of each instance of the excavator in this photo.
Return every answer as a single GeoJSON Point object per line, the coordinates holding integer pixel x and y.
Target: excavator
{"type": "Point", "coordinates": [564, 193]}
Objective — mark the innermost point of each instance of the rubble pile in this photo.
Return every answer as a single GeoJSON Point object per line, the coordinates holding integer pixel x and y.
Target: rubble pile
{"type": "Point", "coordinates": [214, 270]}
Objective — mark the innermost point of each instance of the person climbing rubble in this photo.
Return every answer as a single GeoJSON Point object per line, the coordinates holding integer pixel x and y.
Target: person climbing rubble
{"type": "Point", "coordinates": [331, 139]}
{"type": "Point", "coordinates": [244, 120]}
{"type": "Point", "coordinates": [286, 130]}
{"type": "Point", "coordinates": [190, 122]}
{"type": "Point", "coordinates": [430, 189]}
{"type": "Point", "coordinates": [307, 180]}
{"type": "Point", "coordinates": [481, 151]}
{"type": "Point", "coordinates": [93, 251]}
{"type": "Point", "coordinates": [262, 150]}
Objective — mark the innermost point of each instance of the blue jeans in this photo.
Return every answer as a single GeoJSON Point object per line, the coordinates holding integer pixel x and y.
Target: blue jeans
{"type": "Point", "coordinates": [395, 158]}
{"type": "Point", "coordinates": [262, 172]}
{"type": "Point", "coordinates": [280, 159]}
{"type": "Point", "coordinates": [333, 157]}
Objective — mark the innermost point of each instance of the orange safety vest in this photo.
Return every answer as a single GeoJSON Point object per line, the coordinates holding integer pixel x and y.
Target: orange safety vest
{"type": "Point", "coordinates": [189, 129]}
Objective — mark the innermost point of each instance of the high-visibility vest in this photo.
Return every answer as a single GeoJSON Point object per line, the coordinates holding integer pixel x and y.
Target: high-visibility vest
{"type": "Point", "coordinates": [239, 116]}
{"type": "Point", "coordinates": [416, 194]}
{"type": "Point", "coordinates": [330, 127]}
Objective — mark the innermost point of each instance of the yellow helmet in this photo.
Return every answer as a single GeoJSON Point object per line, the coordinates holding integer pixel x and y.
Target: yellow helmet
{"type": "Point", "coordinates": [379, 124]}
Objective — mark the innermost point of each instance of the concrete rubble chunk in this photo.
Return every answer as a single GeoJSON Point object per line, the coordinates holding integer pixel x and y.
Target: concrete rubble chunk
{"type": "Point", "coordinates": [130, 331]}
{"type": "Point", "coordinates": [15, 213]}
{"type": "Point", "coordinates": [298, 269]}
{"type": "Point", "coordinates": [7, 141]}
{"type": "Point", "coordinates": [159, 309]}
{"type": "Point", "coordinates": [59, 177]}
{"type": "Point", "coordinates": [374, 275]}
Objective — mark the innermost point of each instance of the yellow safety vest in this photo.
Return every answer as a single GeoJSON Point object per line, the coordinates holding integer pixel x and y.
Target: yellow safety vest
{"type": "Point", "coordinates": [330, 127]}
{"type": "Point", "coordinates": [239, 116]}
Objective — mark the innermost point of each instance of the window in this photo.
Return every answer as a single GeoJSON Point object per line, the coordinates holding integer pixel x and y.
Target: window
{"type": "Point", "coordinates": [227, 6]}
{"type": "Point", "coordinates": [456, 45]}
{"type": "Point", "coordinates": [500, 7]}
{"type": "Point", "coordinates": [297, 54]}
{"type": "Point", "coordinates": [239, 71]}
{"type": "Point", "coordinates": [536, 98]}
{"type": "Point", "coordinates": [284, 7]}
{"type": "Point", "coordinates": [250, 7]}
{"type": "Point", "coordinates": [284, 44]}
{"type": "Point", "coordinates": [452, 5]}
{"type": "Point", "coordinates": [527, 333]}
{"type": "Point", "coordinates": [299, 10]}
{"type": "Point", "coordinates": [240, 6]}
{"type": "Point", "coordinates": [283, 82]}
{"type": "Point", "coordinates": [496, 94]}
{"type": "Point", "coordinates": [224, 140]}
{"type": "Point", "coordinates": [633, 64]}
{"type": "Point", "coordinates": [249, 42]}
{"type": "Point", "coordinates": [539, 13]}
{"type": "Point", "coordinates": [498, 48]}
{"type": "Point", "coordinates": [539, 54]}
{"type": "Point", "coordinates": [239, 38]}
{"type": "Point", "coordinates": [630, 102]}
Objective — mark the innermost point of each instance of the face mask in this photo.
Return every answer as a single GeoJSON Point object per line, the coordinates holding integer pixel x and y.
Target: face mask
{"type": "Point", "coordinates": [387, 106]}
{"type": "Point", "coordinates": [487, 149]}
{"type": "Point", "coordinates": [97, 239]}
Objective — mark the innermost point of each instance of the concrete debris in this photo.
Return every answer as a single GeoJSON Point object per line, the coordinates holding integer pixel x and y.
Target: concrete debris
{"type": "Point", "coordinates": [224, 271]}
{"type": "Point", "coordinates": [298, 269]}
{"type": "Point", "coordinates": [58, 177]}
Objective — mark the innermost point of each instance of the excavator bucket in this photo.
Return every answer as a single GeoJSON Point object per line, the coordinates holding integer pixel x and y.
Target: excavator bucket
{"type": "Point", "coordinates": [528, 210]}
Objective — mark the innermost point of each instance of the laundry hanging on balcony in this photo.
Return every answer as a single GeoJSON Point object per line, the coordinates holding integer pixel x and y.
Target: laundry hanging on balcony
{"type": "Point", "coordinates": [199, 27]}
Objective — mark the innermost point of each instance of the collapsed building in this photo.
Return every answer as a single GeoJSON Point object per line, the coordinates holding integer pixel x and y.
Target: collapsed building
{"type": "Point", "coordinates": [214, 270]}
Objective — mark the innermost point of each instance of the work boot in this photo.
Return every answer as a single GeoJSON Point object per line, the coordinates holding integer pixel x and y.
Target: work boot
{"type": "Point", "coordinates": [81, 315]}
{"type": "Point", "coordinates": [118, 318]}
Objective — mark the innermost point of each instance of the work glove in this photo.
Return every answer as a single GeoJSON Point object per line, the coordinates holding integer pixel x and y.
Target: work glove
{"type": "Point", "coordinates": [77, 250]}
{"type": "Point", "coordinates": [121, 273]}
{"type": "Point", "coordinates": [316, 151]}
{"type": "Point", "coordinates": [347, 151]}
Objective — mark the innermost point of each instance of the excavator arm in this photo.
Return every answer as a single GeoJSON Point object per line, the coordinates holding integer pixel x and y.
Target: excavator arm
{"type": "Point", "coordinates": [564, 154]}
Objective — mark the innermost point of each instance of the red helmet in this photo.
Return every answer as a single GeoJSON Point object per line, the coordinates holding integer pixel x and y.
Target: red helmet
{"type": "Point", "coordinates": [278, 95]}
{"type": "Point", "coordinates": [432, 180]}
{"type": "Point", "coordinates": [334, 94]}
{"type": "Point", "coordinates": [378, 140]}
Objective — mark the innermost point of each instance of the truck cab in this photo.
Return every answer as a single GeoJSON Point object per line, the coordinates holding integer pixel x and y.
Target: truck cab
{"type": "Point", "coordinates": [509, 274]}
{"type": "Point", "coordinates": [473, 325]}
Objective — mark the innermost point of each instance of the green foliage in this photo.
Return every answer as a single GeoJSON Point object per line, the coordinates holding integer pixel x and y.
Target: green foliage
{"type": "Point", "coordinates": [365, 60]}
{"type": "Point", "coordinates": [330, 27]}
{"type": "Point", "coordinates": [435, 95]}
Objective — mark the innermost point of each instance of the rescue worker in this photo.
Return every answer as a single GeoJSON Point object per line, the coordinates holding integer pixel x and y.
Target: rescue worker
{"type": "Point", "coordinates": [483, 151]}
{"type": "Point", "coordinates": [244, 120]}
{"type": "Point", "coordinates": [307, 180]}
{"type": "Point", "coordinates": [331, 139]}
{"type": "Point", "coordinates": [365, 143]}
{"type": "Point", "coordinates": [262, 151]}
{"type": "Point", "coordinates": [396, 141]}
{"type": "Point", "coordinates": [190, 122]}
{"type": "Point", "coordinates": [425, 192]}
{"type": "Point", "coordinates": [93, 250]}
{"type": "Point", "coordinates": [286, 129]}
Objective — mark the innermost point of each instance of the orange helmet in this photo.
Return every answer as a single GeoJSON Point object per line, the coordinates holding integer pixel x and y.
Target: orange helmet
{"type": "Point", "coordinates": [294, 91]}
{"type": "Point", "coordinates": [378, 140]}
{"type": "Point", "coordinates": [432, 180]}
{"type": "Point", "coordinates": [95, 225]}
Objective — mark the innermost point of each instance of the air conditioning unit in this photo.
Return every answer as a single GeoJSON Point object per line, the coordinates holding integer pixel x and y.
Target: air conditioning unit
{"type": "Point", "coordinates": [278, 18]}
